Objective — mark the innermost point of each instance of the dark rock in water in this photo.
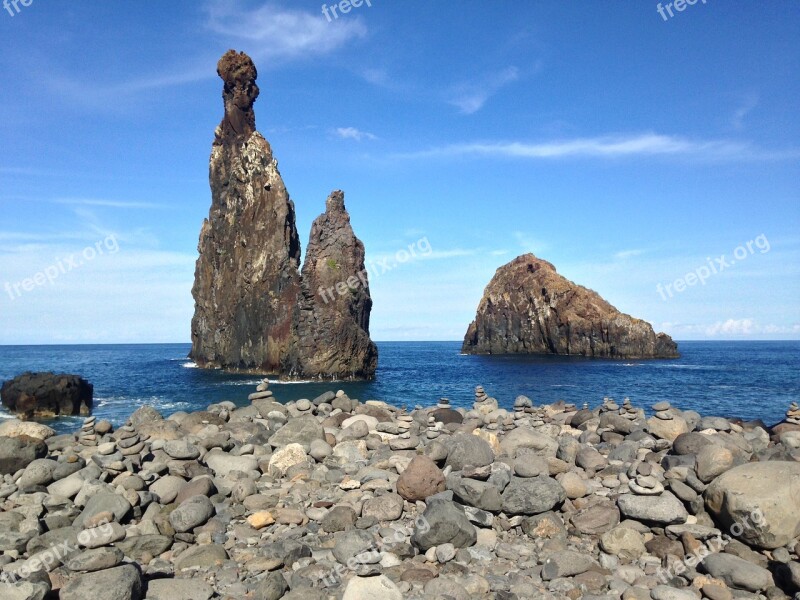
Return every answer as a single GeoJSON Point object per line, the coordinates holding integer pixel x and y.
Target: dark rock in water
{"type": "Point", "coordinates": [45, 395]}
{"type": "Point", "coordinates": [528, 308]}
{"type": "Point", "coordinates": [253, 309]}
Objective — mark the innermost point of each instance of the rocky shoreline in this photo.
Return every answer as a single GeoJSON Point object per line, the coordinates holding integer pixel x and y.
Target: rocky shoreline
{"type": "Point", "coordinates": [336, 498]}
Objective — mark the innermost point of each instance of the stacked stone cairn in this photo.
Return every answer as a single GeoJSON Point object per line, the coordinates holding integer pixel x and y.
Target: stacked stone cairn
{"type": "Point", "coordinates": [793, 414]}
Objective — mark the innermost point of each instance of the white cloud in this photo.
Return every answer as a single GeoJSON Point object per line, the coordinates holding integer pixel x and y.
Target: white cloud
{"type": "Point", "coordinates": [270, 33]}
{"type": "Point", "coordinates": [529, 243]}
{"type": "Point", "coordinates": [106, 203]}
{"type": "Point", "coordinates": [732, 327]}
{"type": "Point", "coordinates": [351, 133]}
{"type": "Point", "coordinates": [612, 146]}
{"type": "Point", "coordinates": [748, 104]}
{"type": "Point", "coordinates": [625, 254]}
{"type": "Point", "coordinates": [282, 32]}
{"type": "Point", "coordinates": [470, 97]}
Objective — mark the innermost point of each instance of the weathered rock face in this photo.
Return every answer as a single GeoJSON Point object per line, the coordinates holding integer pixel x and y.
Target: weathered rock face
{"type": "Point", "coordinates": [253, 311]}
{"type": "Point", "coordinates": [528, 308]}
{"type": "Point", "coordinates": [335, 303]}
{"type": "Point", "coordinates": [45, 395]}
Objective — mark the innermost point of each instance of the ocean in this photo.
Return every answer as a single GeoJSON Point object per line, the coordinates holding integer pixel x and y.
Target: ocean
{"type": "Point", "coordinates": [750, 380]}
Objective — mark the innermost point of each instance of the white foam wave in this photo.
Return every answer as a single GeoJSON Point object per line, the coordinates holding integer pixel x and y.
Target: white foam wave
{"type": "Point", "coordinates": [189, 365]}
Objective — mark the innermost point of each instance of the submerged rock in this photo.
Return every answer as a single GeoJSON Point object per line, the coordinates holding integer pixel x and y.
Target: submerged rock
{"type": "Point", "coordinates": [528, 308]}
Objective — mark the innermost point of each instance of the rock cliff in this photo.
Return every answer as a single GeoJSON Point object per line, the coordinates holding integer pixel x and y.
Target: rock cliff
{"type": "Point", "coordinates": [253, 311]}
{"type": "Point", "coordinates": [528, 308]}
{"type": "Point", "coordinates": [336, 303]}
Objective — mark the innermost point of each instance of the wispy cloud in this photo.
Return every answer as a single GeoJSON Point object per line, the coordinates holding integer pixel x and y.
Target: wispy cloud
{"type": "Point", "coordinates": [271, 32]}
{"type": "Point", "coordinates": [625, 254]}
{"type": "Point", "coordinates": [282, 32]}
{"type": "Point", "coordinates": [106, 203]}
{"type": "Point", "coordinates": [731, 328]}
{"type": "Point", "coordinates": [748, 104]}
{"type": "Point", "coordinates": [529, 243]}
{"type": "Point", "coordinates": [351, 133]}
{"type": "Point", "coordinates": [470, 97]}
{"type": "Point", "coordinates": [619, 146]}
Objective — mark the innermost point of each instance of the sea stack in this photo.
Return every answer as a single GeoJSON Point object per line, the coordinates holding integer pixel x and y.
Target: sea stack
{"type": "Point", "coordinates": [253, 310]}
{"type": "Point", "coordinates": [335, 301]}
{"type": "Point", "coordinates": [528, 308]}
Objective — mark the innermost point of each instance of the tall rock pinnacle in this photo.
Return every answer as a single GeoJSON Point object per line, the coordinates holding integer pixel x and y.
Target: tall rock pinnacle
{"type": "Point", "coordinates": [253, 311]}
{"type": "Point", "coordinates": [337, 303]}
{"type": "Point", "coordinates": [528, 308]}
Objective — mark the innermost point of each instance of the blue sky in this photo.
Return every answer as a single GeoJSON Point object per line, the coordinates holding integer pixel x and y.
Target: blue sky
{"type": "Point", "coordinates": [625, 149]}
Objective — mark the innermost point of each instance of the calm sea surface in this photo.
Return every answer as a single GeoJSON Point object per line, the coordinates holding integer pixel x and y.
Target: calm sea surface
{"type": "Point", "coordinates": [743, 379]}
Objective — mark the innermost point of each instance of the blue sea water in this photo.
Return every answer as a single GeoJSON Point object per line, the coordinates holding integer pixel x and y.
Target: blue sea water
{"type": "Point", "coordinates": [751, 380]}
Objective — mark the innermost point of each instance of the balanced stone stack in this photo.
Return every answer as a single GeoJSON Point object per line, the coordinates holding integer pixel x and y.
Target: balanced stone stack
{"type": "Point", "coordinates": [628, 411]}
{"type": "Point", "coordinates": [434, 426]}
{"type": "Point", "coordinates": [404, 422]}
{"type": "Point", "coordinates": [663, 411]}
{"type": "Point", "coordinates": [523, 406]}
{"type": "Point", "coordinates": [609, 405]}
{"type": "Point", "coordinates": [87, 435]}
{"type": "Point", "coordinates": [262, 391]}
{"type": "Point", "coordinates": [483, 403]}
{"type": "Point", "coordinates": [337, 499]}
{"type": "Point", "coordinates": [793, 414]}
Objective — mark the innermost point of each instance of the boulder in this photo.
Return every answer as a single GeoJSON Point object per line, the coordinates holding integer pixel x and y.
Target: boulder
{"type": "Point", "coordinates": [443, 522]}
{"type": "Point", "coordinates": [737, 572]}
{"type": "Point", "coordinates": [285, 458]}
{"type": "Point", "coordinates": [524, 437]}
{"type": "Point", "coordinates": [420, 479]}
{"type": "Point", "coordinates": [372, 588]}
{"type": "Point", "coordinates": [300, 430]}
{"type": "Point", "coordinates": [18, 452]}
{"type": "Point", "coordinates": [757, 502]}
{"type": "Point", "coordinates": [531, 496]}
{"type": "Point", "coordinates": [191, 513]}
{"type": "Point", "coordinates": [665, 509]}
{"type": "Point", "coordinates": [465, 449]}
{"type": "Point", "coordinates": [388, 507]}
{"type": "Point", "coordinates": [47, 395]}
{"type": "Point", "coordinates": [120, 583]}
{"type": "Point", "coordinates": [15, 428]}
{"type": "Point", "coordinates": [209, 555]}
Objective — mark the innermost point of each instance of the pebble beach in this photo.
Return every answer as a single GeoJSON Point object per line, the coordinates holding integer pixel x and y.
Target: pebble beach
{"type": "Point", "coordinates": [338, 498]}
